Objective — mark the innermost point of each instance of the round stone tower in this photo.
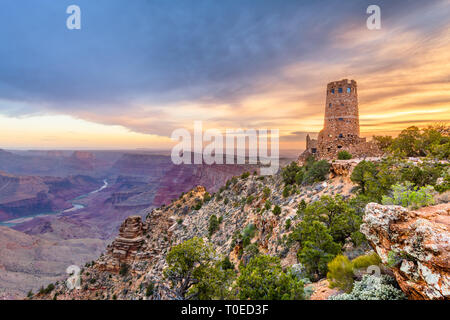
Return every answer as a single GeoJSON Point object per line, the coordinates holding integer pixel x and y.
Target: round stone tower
{"type": "Point", "coordinates": [341, 123]}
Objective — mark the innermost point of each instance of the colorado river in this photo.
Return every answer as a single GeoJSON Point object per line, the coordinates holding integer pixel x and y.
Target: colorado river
{"type": "Point", "coordinates": [75, 207]}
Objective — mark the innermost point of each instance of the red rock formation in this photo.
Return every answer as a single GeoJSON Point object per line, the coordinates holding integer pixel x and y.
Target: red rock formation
{"type": "Point", "coordinates": [125, 247]}
{"type": "Point", "coordinates": [416, 244]}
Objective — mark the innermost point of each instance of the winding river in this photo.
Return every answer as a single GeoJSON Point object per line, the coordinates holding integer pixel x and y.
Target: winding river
{"type": "Point", "coordinates": [75, 207]}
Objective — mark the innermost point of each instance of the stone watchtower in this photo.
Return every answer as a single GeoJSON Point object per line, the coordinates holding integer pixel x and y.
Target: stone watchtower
{"type": "Point", "coordinates": [341, 125]}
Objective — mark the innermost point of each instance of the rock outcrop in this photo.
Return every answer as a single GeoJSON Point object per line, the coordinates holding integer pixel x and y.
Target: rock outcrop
{"type": "Point", "coordinates": [416, 244]}
{"type": "Point", "coordinates": [125, 247]}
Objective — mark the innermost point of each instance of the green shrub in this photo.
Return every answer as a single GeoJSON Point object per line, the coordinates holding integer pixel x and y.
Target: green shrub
{"type": "Point", "coordinates": [362, 262]}
{"type": "Point", "coordinates": [286, 191]}
{"type": "Point", "coordinates": [213, 225]}
{"type": "Point", "coordinates": [227, 264]}
{"type": "Point", "coordinates": [198, 205]}
{"type": "Point", "coordinates": [344, 155]}
{"type": "Point", "coordinates": [195, 272]}
{"type": "Point", "coordinates": [47, 290]}
{"type": "Point", "coordinates": [123, 269]}
{"type": "Point", "coordinates": [287, 226]}
{"type": "Point", "coordinates": [247, 234]}
{"type": "Point", "coordinates": [318, 249]}
{"type": "Point", "coordinates": [290, 172]}
{"type": "Point", "coordinates": [340, 273]}
{"type": "Point", "coordinates": [245, 175]}
{"type": "Point", "coordinates": [276, 210]}
{"type": "Point", "coordinates": [150, 289]}
{"type": "Point", "coordinates": [206, 197]}
{"type": "Point", "coordinates": [268, 205]}
{"type": "Point", "coordinates": [264, 279]}
{"type": "Point", "coordinates": [266, 192]}
{"type": "Point", "coordinates": [405, 195]}
{"type": "Point", "coordinates": [317, 172]}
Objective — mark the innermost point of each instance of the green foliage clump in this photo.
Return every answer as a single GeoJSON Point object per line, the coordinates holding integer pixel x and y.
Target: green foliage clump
{"type": "Point", "coordinates": [371, 259]}
{"type": "Point", "coordinates": [286, 191]}
{"type": "Point", "coordinates": [432, 141]}
{"type": "Point", "coordinates": [266, 192]}
{"type": "Point", "coordinates": [318, 249]}
{"type": "Point", "coordinates": [248, 234]}
{"type": "Point", "coordinates": [264, 279]}
{"type": "Point", "coordinates": [324, 227]}
{"type": "Point", "coordinates": [364, 173]}
{"type": "Point", "coordinates": [196, 273]}
{"type": "Point", "coordinates": [213, 224]}
{"type": "Point", "coordinates": [268, 205]}
{"type": "Point", "coordinates": [124, 269]}
{"type": "Point", "coordinates": [290, 172]}
{"type": "Point", "coordinates": [405, 195]}
{"type": "Point", "coordinates": [245, 175]}
{"type": "Point", "coordinates": [317, 172]}
{"type": "Point", "coordinates": [206, 197]}
{"type": "Point", "coordinates": [276, 210]}
{"type": "Point", "coordinates": [344, 155]}
{"type": "Point", "coordinates": [198, 204]}
{"type": "Point", "coordinates": [372, 287]}
{"type": "Point", "coordinates": [313, 171]}
{"type": "Point", "coordinates": [383, 142]}
{"type": "Point", "coordinates": [227, 264]}
{"type": "Point", "coordinates": [150, 289]}
{"type": "Point", "coordinates": [47, 290]}
{"type": "Point", "coordinates": [445, 184]}
{"type": "Point", "coordinates": [342, 271]}
{"type": "Point", "coordinates": [288, 224]}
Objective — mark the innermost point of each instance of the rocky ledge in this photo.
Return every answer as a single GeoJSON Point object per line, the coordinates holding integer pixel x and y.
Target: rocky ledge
{"type": "Point", "coordinates": [126, 246]}
{"type": "Point", "coordinates": [416, 244]}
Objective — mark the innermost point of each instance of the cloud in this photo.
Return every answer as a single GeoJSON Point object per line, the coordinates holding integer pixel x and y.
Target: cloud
{"type": "Point", "coordinates": [153, 66]}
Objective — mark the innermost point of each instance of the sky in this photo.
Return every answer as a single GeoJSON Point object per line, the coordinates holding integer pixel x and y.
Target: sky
{"type": "Point", "coordinates": [137, 70]}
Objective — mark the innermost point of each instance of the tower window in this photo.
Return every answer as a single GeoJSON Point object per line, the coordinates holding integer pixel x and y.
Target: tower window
{"type": "Point", "coordinates": [330, 105]}
{"type": "Point", "coordinates": [341, 119]}
{"type": "Point", "coordinates": [349, 90]}
{"type": "Point", "coordinates": [332, 91]}
{"type": "Point", "coordinates": [340, 90]}
{"type": "Point", "coordinates": [340, 135]}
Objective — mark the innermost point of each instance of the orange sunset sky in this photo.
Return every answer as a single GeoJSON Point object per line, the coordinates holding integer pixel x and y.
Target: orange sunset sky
{"type": "Point", "coordinates": [246, 64]}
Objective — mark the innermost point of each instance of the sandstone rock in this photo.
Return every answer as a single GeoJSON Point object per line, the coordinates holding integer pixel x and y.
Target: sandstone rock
{"type": "Point", "coordinates": [419, 240]}
{"type": "Point", "coordinates": [126, 246]}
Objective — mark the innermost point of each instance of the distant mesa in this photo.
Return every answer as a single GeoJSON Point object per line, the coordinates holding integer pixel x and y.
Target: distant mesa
{"type": "Point", "coordinates": [341, 126]}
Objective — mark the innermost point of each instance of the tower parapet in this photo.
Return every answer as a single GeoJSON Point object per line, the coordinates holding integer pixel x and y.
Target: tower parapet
{"type": "Point", "coordinates": [341, 124]}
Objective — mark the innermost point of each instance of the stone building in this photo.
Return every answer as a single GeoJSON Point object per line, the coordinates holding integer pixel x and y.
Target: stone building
{"type": "Point", "coordinates": [341, 126]}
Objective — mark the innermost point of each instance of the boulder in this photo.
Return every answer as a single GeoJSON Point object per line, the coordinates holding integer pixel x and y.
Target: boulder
{"type": "Point", "coordinates": [416, 244]}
